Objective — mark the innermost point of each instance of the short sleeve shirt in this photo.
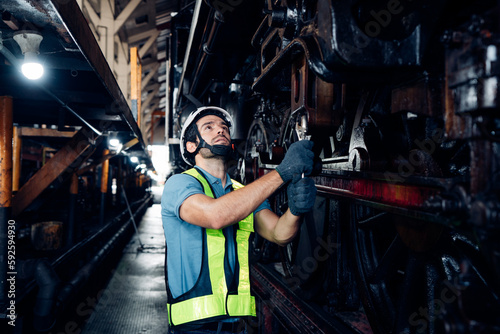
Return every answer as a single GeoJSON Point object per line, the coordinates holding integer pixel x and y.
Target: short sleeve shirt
{"type": "Point", "coordinates": [185, 240]}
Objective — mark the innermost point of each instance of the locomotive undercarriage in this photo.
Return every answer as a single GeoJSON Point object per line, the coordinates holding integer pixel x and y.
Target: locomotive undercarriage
{"type": "Point", "coordinates": [401, 102]}
{"type": "Point", "coordinates": [402, 221]}
{"type": "Point", "coordinates": [411, 207]}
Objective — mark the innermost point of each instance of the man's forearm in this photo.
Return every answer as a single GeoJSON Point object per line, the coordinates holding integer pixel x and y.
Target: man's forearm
{"type": "Point", "coordinates": [286, 229]}
{"type": "Point", "coordinates": [237, 205]}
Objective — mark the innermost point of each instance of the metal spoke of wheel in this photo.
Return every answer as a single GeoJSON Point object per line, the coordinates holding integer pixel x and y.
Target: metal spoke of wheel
{"type": "Point", "coordinates": [370, 221]}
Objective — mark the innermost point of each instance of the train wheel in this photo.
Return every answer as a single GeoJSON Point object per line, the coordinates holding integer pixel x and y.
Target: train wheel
{"type": "Point", "coordinates": [416, 277]}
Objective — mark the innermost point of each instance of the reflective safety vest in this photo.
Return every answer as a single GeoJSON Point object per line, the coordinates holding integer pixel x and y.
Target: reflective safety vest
{"type": "Point", "coordinates": [219, 304]}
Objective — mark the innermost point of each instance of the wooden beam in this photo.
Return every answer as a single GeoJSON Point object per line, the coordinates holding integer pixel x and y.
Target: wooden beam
{"type": "Point", "coordinates": [103, 159]}
{"type": "Point", "coordinates": [129, 144]}
{"type": "Point", "coordinates": [107, 156]}
{"type": "Point", "coordinates": [66, 157]}
{"type": "Point", "coordinates": [33, 132]}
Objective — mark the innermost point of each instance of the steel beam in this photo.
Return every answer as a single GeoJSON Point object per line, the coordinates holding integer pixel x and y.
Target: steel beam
{"type": "Point", "coordinates": [125, 14]}
{"type": "Point", "coordinates": [151, 74]}
{"type": "Point", "coordinates": [149, 43]}
{"type": "Point", "coordinates": [79, 28]}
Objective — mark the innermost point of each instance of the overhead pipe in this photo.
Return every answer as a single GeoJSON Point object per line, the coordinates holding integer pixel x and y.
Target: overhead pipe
{"type": "Point", "coordinates": [5, 189]}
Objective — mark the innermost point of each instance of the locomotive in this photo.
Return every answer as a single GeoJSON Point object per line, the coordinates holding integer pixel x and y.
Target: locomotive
{"type": "Point", "coordinates": [400, 99]}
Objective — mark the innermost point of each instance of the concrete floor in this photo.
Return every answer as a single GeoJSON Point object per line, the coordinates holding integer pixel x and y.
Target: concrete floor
{"type": "Point", "coordinates": [135, 299]}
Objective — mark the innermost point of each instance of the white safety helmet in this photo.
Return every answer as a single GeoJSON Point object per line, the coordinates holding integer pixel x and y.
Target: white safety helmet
{"type": "Point", "coordinates": [193, 117]}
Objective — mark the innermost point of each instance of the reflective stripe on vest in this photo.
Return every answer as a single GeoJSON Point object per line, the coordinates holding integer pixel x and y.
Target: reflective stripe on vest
{"type": "Point", "coordinates": [219, 303]}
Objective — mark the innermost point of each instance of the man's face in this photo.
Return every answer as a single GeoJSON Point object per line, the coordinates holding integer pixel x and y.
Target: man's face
{"type": "Point", "coordinates": [214, 130]}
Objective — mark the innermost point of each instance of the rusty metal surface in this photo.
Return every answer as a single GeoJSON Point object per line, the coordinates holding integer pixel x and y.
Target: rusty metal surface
{"type": "Point", "coordinates": [396, 194]}
{"type": "Point", "coordinates": [423, 97]}
{"type": "Point", "coordinates": [295, 314]}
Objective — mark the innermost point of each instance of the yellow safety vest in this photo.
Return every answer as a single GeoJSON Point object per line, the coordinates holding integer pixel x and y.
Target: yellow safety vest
{"type": "Point", "coordinates": [219, 303]}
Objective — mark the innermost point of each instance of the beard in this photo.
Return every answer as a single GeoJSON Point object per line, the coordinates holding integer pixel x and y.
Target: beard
{"type": "Point", "coordinates": [207, 154]}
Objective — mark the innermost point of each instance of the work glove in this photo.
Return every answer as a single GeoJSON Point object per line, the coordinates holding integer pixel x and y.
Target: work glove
{"type": "Point", "coordinates": [301, 196]}
{"type": "Point", "coordinates": [298, 159]}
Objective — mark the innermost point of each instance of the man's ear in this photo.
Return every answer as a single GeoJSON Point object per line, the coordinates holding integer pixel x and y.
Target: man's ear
{"type": "Point", "coordinates": [191, 146]}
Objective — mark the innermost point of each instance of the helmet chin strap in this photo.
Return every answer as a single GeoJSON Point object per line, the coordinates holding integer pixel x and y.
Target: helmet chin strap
{"type": "Point", "coordinates": [222, 150]}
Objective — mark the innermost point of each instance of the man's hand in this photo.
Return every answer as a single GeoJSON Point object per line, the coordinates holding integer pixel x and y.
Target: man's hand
{"type": "Point", "coordinates": [298, 160]}
{"type": "Point", "coordinates": [301, 196]}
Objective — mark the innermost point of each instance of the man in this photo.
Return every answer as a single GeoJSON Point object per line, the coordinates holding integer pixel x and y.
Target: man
{"type": "Point", "coordinates": [208, 218]}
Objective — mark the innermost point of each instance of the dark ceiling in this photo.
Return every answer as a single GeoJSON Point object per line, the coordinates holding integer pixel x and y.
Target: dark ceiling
{"type": "Point", "coordinates": [77, 79]}
{"type": "Point", "coordinates": [78, 88]}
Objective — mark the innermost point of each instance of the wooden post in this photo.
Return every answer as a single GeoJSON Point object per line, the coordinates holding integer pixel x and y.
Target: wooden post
{"type": "Point", "coordinates": [17, 149]}
{"type": "Point", "coordinates": [73, 194]}
{"type": "Point", "coordinates": [104, 184]}
{"type": "Point", "coordinates": [135, 83]}
{"type": "Point", "coordinates": [5, 189]}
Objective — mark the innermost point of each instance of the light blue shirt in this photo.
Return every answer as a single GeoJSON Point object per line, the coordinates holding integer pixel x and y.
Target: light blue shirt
{"type": "Point", "coordinates": [185, 240]}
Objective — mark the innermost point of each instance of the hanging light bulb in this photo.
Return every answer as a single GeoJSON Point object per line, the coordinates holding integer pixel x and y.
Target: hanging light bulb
{"type": "Point", "coordinates": [29, 42]}
{"type": "Point", "coordinates": [114, 142]}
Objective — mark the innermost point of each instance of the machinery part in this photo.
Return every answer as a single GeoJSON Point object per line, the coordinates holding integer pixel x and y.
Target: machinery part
{"type": "Point", "coordinates": [257, 149]}
{"type": "Point", "coordinates": [284, 311]}
{"type": "Point", "coordinates": [297, 254]}
{"type": "Point", "coordinates": [470, 59]}
{"type": "Point", "coordinates": [352, 35]}
{"type": "Point", "coordinates": [409, 289]}
{"type": "Point", "coordinates": [261, 143]}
